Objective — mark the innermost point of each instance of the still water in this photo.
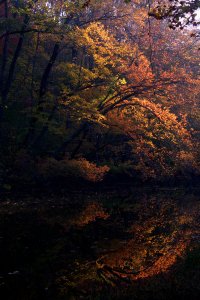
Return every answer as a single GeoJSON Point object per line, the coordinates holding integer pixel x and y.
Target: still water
{"type": "Point", "coordinates": [122, 243]}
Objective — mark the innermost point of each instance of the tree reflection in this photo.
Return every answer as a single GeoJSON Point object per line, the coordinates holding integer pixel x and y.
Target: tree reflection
{"type": "Point", "coordinates": [161, 235]}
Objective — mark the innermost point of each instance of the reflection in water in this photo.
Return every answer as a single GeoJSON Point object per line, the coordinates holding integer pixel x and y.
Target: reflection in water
{"type": "Point", "coordinates": [156, 231]}
{"type": "Point", "coordinates": [161, 235]}
{"type": "Point", "coordinates": [82, 245]}
{"type": "Point", "coordinates": [91, 212]}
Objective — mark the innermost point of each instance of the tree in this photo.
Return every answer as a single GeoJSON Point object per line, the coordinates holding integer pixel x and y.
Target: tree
{"type": "Point", "coordinates": [89, 77]}
{"type": "Point", "coordinates": [179, 13]}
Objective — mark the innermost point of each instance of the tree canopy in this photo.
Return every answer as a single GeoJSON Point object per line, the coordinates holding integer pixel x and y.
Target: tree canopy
{"type": "Point", "coordinates": [99, 85]}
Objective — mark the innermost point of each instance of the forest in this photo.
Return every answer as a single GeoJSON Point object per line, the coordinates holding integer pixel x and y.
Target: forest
{"type": "Point", "coordinates": [94, 89]}
{"type": "Point", "coordinates": [99, 126]}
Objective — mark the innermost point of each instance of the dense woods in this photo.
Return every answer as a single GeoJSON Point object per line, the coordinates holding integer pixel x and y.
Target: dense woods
{"type": "Point", "coordinates": [98, 89]}
{"type": "Point", "coordinates": [99, 149]}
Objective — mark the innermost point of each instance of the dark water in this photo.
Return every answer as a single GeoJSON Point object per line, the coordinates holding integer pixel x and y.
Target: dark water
{"type": "Point", "coordinates": [118, 244]}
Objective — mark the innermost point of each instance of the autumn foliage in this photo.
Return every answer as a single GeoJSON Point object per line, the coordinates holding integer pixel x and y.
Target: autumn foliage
{"type": "Point", "coordinates": [92, 86]}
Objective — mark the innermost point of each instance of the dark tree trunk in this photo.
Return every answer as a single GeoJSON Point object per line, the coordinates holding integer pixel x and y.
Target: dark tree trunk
{"type": "Point", "coordinates": [5, 49]}
{"type": "Point", "coordinates": [80, 143]}
{"type": "Point", "coordinates": [59, 153]}
{"type": "Point", "coordinates": [45, 128]}
{"type": "Point", "coordinates": [14, 61]}
{"type": "Point", "coordinates": [29, 138]}
{"type": "Point", "coordinates": [45, 77]}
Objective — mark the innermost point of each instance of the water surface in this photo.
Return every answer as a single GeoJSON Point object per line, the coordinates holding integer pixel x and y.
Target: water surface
{"type": "Point", "coordinates": [122, 243]}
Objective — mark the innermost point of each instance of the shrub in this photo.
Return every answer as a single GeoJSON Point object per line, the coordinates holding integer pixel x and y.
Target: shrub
{"type": "Point", "coordinates": [76, 168]}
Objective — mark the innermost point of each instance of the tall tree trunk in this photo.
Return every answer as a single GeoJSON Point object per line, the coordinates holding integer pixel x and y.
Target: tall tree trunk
{"type": "Point", "coordinates": [34, 65]}
{"type": "Point", "coordinates": [29, 138]}
{"type": "Point", "coordinates": [45, 128]}
{"type": "Point", "coordinates": [9, 80]}
{"type": "Point", "coordinates": [4, 61]}
{"type": "Point", "coordinates": [5, 48]}
{"type": "Point", "coordinates": [80, 143]}
{"type": "Point", "coordinates": [47, 71]}
{"type": "Point", "coordinates": [59, 153]}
